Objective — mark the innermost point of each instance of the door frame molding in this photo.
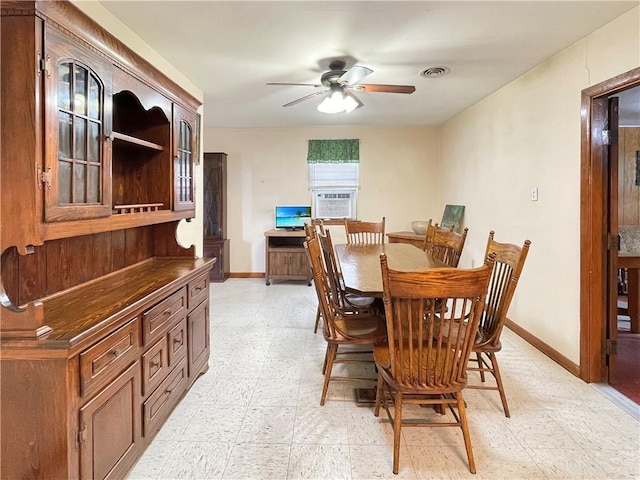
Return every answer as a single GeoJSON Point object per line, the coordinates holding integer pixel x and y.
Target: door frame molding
{"type": "Point", "coordinates": [593, 226]}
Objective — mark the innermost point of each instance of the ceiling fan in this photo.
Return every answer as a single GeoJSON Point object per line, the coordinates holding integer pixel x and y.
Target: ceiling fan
{"type": "Point", "coordinates": [339, 87]}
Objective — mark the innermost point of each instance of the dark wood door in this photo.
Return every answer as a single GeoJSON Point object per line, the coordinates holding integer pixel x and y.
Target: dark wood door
{"type": "Point", "coordinates": [184, 155]}
{"type": "Point", "coordinates": [76, 174]}
{"type": "Point", "coordinates": [110, 428]}
{"type": "Point", "coordinates": [611, 158]}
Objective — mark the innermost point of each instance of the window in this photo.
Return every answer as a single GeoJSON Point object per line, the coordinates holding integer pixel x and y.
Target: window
{"type": "Point", "coordinates": [334, 178]}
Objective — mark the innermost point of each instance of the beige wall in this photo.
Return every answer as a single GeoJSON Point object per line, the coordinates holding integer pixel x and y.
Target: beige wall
{"type": "Point", "coordinates": [527, 135]}
{"type": "Point", "coordinates": [267, 167]}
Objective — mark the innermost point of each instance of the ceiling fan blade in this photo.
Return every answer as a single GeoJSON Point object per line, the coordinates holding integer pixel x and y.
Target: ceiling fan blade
{"type": "Point", "coordinates": [354, 75]}
{"type": "Point", "coordinates": [302, 99]}
{"type": "Point", "coordinates": [383, 88]}
{"type": "Point", "coordinates": [296, 84]}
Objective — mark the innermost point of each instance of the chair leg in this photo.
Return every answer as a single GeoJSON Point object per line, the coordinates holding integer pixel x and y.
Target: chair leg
{"type": "Point", "coordinates": [465, 432]}
{"type": "Point", "coordinates": [481, 372]}
{"type": "Point", "coordinates": [318, 314]}
{"type": "Point", "coordinates": [397, 426]}
{"type": "Point", "coordinates": [326, 356]}
{"type": "Point", "coordinates": [332, 350]}
{"type": "Point", "coordinates": [496, 373]}
{"type": "Point", "coordinates": [376, 411]}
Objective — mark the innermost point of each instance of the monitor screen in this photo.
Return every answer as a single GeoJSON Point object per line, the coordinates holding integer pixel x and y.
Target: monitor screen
{"type": "Point", "coordinates": [292, 216]}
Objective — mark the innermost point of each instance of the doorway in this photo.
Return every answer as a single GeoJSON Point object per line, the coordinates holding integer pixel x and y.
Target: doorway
{"type": "Point", "coordinates": [600, 354]}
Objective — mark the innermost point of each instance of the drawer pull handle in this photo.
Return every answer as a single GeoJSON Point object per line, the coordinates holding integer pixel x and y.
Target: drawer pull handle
{"type": "Point", "coordinates": [115, 353]}
{"type": "Point", "coordinates": [168, 391]}
{"type": "Point", "coordinates": [167, 312]}
{"type": "Point", "coordinates": [156, 364]}
{"type": "Point", "coordinates": [177, 341]}
{"type": "Point", "coordinates": [199, 288]}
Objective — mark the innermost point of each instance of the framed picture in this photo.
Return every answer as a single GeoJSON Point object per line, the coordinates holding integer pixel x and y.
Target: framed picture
{"type": "Point", "coordinates": [452, 216]}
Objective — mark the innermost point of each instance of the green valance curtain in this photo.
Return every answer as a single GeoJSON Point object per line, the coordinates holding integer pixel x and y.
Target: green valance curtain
{"type": "Point", "coordinates": [334, 151]}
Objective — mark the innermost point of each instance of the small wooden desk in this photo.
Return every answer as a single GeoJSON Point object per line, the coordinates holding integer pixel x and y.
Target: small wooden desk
{"type": "Point", "coordinates": [631, 261]}
{"type": "Point", "coordinates": [406, 237]}
{"type": "Point", "coordinates": [360, 264]}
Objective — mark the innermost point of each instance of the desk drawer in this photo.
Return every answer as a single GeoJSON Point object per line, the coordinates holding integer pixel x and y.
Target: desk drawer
{"type": "Point", "coordinates": [155, 366]}
{"type": "Point", "coordinates": [158, 406]}
{"type": "Point", "coordinates": [157, 320]}
{"type": "Point", "coordinates": [106, 359]}
{"type": "Point", "coordinates": [198, 290]}
{"type": "Point", "coordinates": [177, 342]}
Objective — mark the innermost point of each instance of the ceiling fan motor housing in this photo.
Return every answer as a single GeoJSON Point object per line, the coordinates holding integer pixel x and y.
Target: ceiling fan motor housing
{"type": "Point", "coordinates": [331, 77]}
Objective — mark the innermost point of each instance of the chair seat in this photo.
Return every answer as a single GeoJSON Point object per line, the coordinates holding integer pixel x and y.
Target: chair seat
{"type": "Point", "coordinates": [411, 385]}
{"type": "Point", "coordinates": [481, 343]}
{"type": "Point", "coordinates": [359, 301]}
{"type": "Point", "coordinates": [363, 329]}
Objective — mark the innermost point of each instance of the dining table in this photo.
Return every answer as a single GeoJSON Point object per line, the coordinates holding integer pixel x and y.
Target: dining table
{"type": "Point", "coordinates": [360, 264]}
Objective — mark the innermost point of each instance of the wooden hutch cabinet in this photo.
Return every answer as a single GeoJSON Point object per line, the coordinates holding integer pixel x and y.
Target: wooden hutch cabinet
{"type": "Point", "coordinates": [104, 317]}
{"type": "Point", "coordinates": [216, 243]}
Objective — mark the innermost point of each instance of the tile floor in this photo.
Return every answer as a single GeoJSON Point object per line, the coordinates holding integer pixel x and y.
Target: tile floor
{"type": "Point", "coordinates": [256, 415]}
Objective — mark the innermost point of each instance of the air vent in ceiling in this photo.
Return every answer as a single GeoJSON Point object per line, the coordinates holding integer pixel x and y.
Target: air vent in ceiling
{"type": "Point", "coordinates": [434, 72]}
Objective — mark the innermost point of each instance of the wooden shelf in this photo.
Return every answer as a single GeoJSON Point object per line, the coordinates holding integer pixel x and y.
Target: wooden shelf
{"type": "Point", "coordinates": [136, 141]}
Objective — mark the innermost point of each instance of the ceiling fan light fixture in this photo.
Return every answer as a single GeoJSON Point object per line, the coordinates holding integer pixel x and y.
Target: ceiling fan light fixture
{"type": "Point", "coordinates": [337, 101]}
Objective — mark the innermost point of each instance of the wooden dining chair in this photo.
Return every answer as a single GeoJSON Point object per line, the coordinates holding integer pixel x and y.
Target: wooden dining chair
{"type": "Point", "coordinates": [445, 244]}
{"type": "Point", "coordinates": [508, 264]}
{"type": "Point", "coordinates": [341, 328]}
{"type": "Point", "coordinates": [432, 319]}
{"type": "Point", "coordinates": [364, 232]}
{"type": "Point", "coordinates": [349, 302]}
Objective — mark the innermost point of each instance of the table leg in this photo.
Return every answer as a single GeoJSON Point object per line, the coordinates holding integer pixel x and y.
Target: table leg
{"type": "Point", "coordinates": [634, 298]}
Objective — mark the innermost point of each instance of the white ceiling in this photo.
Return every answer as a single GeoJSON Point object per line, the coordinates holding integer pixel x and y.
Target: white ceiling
{"type": "Point", "coordinates": [231, 49]}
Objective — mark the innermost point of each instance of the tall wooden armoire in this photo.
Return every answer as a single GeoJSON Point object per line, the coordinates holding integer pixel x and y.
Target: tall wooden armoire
{"type": "Point", "coordinates": [216, 243]}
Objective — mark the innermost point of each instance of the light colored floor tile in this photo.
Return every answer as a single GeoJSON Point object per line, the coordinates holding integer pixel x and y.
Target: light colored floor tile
{"type": "Point", "coordinates": [251, 461]}
{"type": "Point", "coordinates": [256, 413]}
{"type": "Point", "coordinates": [439, 462]}
{"type": "Point", "coordinates": [267, 425]}
{"type": "Point", "coordinates": [366, 429]}
{"type": "Point", "coordinates": [275, 392]}
{"type": "Point", "coordinates": [214, 423]}
{"type": "Point", "coordinates": [505, 462]}
{"type": "Point", "coordinates": [154, 458]}
{"type": "Point", "coordinates": [196, 460]}
{"type": "Point", "coordinates": [321, 426]}
{"type": "Point", "coordinates": [327, 462]}
{"type": "Point", "coordinates": [568, 463]}
{"type": "Point", "coordinates": [370, 462]}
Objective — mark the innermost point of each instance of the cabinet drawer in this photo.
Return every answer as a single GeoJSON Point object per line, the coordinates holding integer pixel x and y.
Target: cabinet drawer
{"type": "Point", "coordinates": [158, 406]}
{"type": "Point", "coordinates": [155, 366]}
{"type": "Point", "coordinates": [106, 359]}
{"type": "Point", "coordinates": [159, 318]}
{"type": "Point", "coordinates": [198, 290]}
{"type": "Point", "coordinates": [177, 339]}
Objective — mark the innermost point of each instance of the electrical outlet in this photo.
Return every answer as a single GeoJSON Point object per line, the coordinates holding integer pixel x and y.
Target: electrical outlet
{"type": "Point", "coordinates": [534, 194]}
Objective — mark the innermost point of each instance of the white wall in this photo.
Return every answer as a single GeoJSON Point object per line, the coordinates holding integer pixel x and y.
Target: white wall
{"type": "Point", "coordinates": [524, 135]}
{"type": "Point", "coordinates": [267, 167]}
{"type": "Point", "coordinates": [189, 233]}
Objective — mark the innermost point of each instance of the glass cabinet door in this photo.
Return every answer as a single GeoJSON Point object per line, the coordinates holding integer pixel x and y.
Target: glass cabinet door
{"type": "Point", "coordinates": [76, 181]}
{"type": "Point", "coordinates": [185, 141]}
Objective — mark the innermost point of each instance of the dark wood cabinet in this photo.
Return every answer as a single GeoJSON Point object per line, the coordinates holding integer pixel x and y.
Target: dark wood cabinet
{"type": "Point", "coordinates": [104, 317]}
{"type": "Point", "coordinates": [216, 243]}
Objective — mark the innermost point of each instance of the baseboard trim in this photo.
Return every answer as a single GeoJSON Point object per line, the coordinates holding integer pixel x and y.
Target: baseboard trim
{"type": "Point", "coordinates": [550, 352]}
{"type": "Point", "coordinates": [246, 275]}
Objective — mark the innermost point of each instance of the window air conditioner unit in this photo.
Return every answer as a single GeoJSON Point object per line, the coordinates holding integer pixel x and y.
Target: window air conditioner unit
{"type": "Point", "coordinates": [334, 204]}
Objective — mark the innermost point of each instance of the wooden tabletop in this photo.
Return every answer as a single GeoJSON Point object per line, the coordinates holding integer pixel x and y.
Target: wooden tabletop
{"type": "Point", "coordinates": [360, 264]}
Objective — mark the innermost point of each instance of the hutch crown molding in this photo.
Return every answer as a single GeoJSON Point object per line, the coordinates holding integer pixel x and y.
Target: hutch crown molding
{"type": "Point", "coordinates": [104, 317]}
